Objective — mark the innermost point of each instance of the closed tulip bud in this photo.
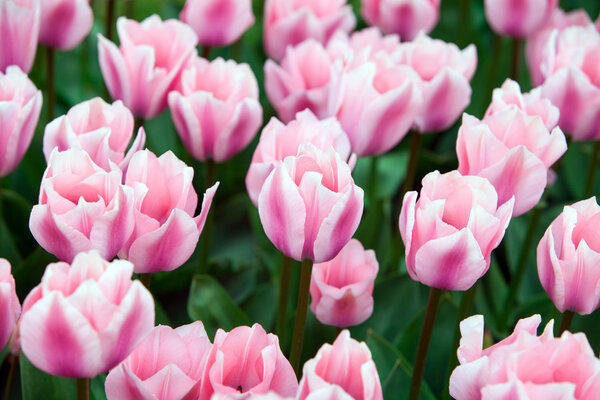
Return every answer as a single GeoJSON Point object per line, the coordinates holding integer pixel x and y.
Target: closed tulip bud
{"type": "Point", "coordinates": [518, 19]}
{"type": "Point", "coordinates": [9, 303]}
{"type": "Point", "coordinates": [65, 23]}
{"type": "Point", "coordinates": [19, 29]}
{"type": "Point", "coordinates": [404, 17]}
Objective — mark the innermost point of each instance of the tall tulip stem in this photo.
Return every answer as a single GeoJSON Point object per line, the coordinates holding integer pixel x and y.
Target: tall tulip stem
{"type": "Point", "coordinates": [565, 322]}
{"type": "Point", "coordinates": [301, 311]}
{"type": "Point", "coordinates": [50, 96]}
{"type": "Point", "coordinates": [83, 389]}
{"type": "Point", "coordinates": [425, 338]}
{"type": "Point", "coordinates": [515, 68]}
{"type": "Point", "coordinates": [373, 181]}
{"type": "Point", "coordinates": [465, 20]}
{"type": "Point", "coordinates": [284, 294]}
{"type": "Point", "coordinates": [209, 180]}
{"type": "Point", "coordinates": [130, 11]}
{"type": "Point", "coordinates": [591, 174]}
{"type": "Point", "coordinates": [411, 168]}
{"type": "Point", "coordinates": [496, 52]}
{"type": "Point", "coordinates": [110, 18]}
{"type": "Point", "coordinates": [13, 362]}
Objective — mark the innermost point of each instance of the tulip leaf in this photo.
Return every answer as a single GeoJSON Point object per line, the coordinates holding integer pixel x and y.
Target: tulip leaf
{"type": "Point", "coordinates": [38, 385]}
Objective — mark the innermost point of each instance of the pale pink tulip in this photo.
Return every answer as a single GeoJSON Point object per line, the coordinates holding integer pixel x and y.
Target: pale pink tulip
{"type": "Point", "coordinates": [309, 205]}
{"type": "Point", "coordinates": [19, 29]}
{"type": "Point", "coordinates": [342, 371]}
{"type": "Point", "coordinates": [520, 18]}
{"type": "Point", "coordinates": [249, 396]}
{"type": "Point", "coordinates": [404, 17]}
{"type": "Point", "coordinates": [65, 23]}
{"type": "Point", "coordinates": [145, 68]}
{"type": "Point", "coordinates": [166, 231]}
{"type": "Point", "coordinates": [166, 365]}
{"type": "Point", "coordinates": [513, 150]}
{"type": "Point", "coordinates": [568, 258]}
{"type": "Point", "coordinates": [450, 232]}
{"type": "Point", "coordinates": [218, 22]}
{"type": "Point", "coordinates": [19, 113]}
{"type": "Point", "coordinates": [368, 43]}
{"type": "Point", "coordinates": [278, 141]}
{"type": "Point", "coordinates": [247, 361]}
{"type": "Point", "coordinates": [290, 22]}
{"type": "Point", "coordinates": [103, 130]}
{"type": "Point", "coordinates": [81, 207]}
{"type": "Point", "coordinates": [524, 365]}
{"type": "Point", "coordinates": [342, 289]}
{"type": "Point", "coordinates": [217, 113]}
{"type": "Point", "coordinates": [84, 319]}
{"type": "Point", "coordinates": [9, 303]}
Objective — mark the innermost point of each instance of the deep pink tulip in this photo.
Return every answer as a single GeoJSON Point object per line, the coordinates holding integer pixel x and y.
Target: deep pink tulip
{"type": "Point", "coordinates": [166, 365]}
{"type": "Point", "coordinates": [247, 361]}
{"type": "Point", "coordinates": [278, 141]}
{"type": "Point", "coordinates": [218, 22]}
{"type": "Point", "coordinates": [81, 207]}
{"type": "Point", "coordinates": [65, 23]}
{"type": "Point", "coordinates": [19, 29]}
{"type": "Point", "coordinates": [10, 308]}
{"type": "Point", "coordinates": [146, 66]}
{"type": "Point", "coordinates": [19, 114]}
{"type": "Point", "coordinates": [341, 289]}
{"type": "Point", "coordinates": [457, 218]}
{"type": "Point", "coordinates": [217, 113]}
{"type": "Point", "coordinates": [404, 17]}
{"type": "Point", "coordinates": [84, 319]}
{"type": "Point", "coordinates": [103, 130]}
{"type": "Point", "coordinates": [513, 150]}
{"type": "Point", "coordinates": [524, 365]}
{"type": "Point", "coordinates": [518, 18]}
{"type": "Point", "coordinates": [290, 22]}
{"type": "Point", "coordinates": [343, 371]}
{"type": "Point", "coordinates": [309, 205]}
{"type": "Point", "coordinates": [568, 258]}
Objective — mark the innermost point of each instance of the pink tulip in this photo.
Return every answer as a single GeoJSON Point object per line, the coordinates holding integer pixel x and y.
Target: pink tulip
{"type": "Point", "coordinates": [19, 29]}
{"type": "Point", "coordinates": [290, 22]}
{"type": "Point", "coordinates": [218, 22]}
{"type": "Point", "coordinates": [568, 257]}
{"type": "Point", "coordinates": [217, 113]}
{"type": "Point", "coordinates": [278, 141]}
{"type": "Point", "coordinates": [166, 365]}
{"type": "Point", "coordinates": [249, 396]}
{"type": "Point", "coordinates": [445, 72]}
{"type": "Point", "coordinates": [513, 150]}
{"type": "Point", "coordinates": [81, 207]}
{"type": "Point", "coordinates": [19, 114]}
{"type": "Point", "coordinates": [518, 19]}
{"type": "Point", "coordinates": [166, 231]}
{"type": "Point", "coordinates": [524, 365]}
{"type": "Point", "coordinates": [9, 303]}
{"type": "Point", "coordinates": [404, 17]}
{"type": "Point", "coordinates": [450, 232]}
{"type": "Point", "coordinates": [342, 288]}
{"type": "Point", "coordinates": [84, 319]}
{"type": "Point", "coordinates": [103, 130]}
{"type": "Point", "coordinates": [146, 66]}
{"type": "Point", "coordinates": [366, 44]}
{"type": "Point", "coordinates": [65, 23]}
{"type": "Point", "coordinates": [309, 205]}
{"type": "Point", "coordinates": [343, 371]}
{"type": "Point", "coordinates": [247, 361]}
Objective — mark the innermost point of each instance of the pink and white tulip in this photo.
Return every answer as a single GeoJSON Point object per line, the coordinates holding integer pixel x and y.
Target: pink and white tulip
{"type": "Point", "coordinates": [19, 29]}
{"type": "Point", "coordinates": [342, 289]}
{"type": "Point", "coordinates": [65, 23]}
{"type": "Point", "coordinates": [404, 17]}
{"type": "Point", "coordinates": [344, 370]}
{"type": "Point", "coordinates": [216, 112]}
{"type": "Point", "coordinates": [309, 205]}
{"type": "Point", "coordinates": [10, 308]}
{"type": "Point", "coordinates": [166, 365]}
{"type": "Point", "coordinates": [457, 218]}
{"type": "Point", "coordinates": [518, 19]}
{"type": "Point", "coordinates": [146, 66]}
{"type": "Point", "coordinates": [84, 318]}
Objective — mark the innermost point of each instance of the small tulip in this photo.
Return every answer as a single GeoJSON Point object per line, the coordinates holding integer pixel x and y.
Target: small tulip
{"type": "Point", "coordinates": [84, 319]}
{"type": "Point", "coordinates": [518, 19]}
{"type": "Point", "coordinates": [19, 29]}
{"type": "Point", "coordinates": [65, 23]}
{"type": "Point", "coordinates": [9, 303]}
{"type": "Point", "coordinates": [404, 17]}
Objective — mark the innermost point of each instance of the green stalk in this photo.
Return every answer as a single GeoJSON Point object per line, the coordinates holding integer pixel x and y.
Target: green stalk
{"type": "Point", "coordinates": [13, 361]}
{"type": "Point", "coordinates": [411, 169]}
{"type": "Point", "coordinates": [515, 68]}
{"type": "Point", "coordinates": [301, 311]}
{"type": "Point", "coordinates": [591, 173]}
{"type": "Point", "coordinates": [284, 294]}
{"type": "Point", "coordinates": [565, 322]}
{"type": "Point", "coordinates": [130, 11]}
{"type": "Point", "coordinates": [83, 389]}
{"type": "Point", "coordinates": [373, 181]}
{"type": "Point", "coordinates": [209, 180]}
{"type": "Point", "coordinates": [465, 19]}
{"type": "Point", "coordinates": [50, 83]}
{"type": "Point", "coordinates": [496, 52]}
{"type": "Point", "coordinates": [110, 18]}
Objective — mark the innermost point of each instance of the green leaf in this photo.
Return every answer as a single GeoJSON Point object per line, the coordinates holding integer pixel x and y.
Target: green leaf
{"type": "Point", "coordinates": [38, 385]}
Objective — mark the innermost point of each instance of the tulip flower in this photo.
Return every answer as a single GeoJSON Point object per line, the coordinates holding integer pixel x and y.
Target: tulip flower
{"type": "Point", "coordinates": [342, 288]}
{"type": "Point", "coordinates": [65, 23]}
{"type": "Point", "coordinates": [81, 207]}
{"type": "Point", "coordinates": [518, 19]}
{"type": "Point", "coordinates": [524, 365]}
{"type": "Point", "coordinates": [278, 141]}
{"type": "Point", "coordinates": [103, 130]}
{"type": "Point", "coordinates": [166, 365]}
{"type": "Point", "coordinates": [217, 113]}
{"type": "Point", "coordinates": [19, 28]}
{"type": "Point", "coordinates": [144, 69]}
{"type": "Point", "coordinates": [19, 115]}
{"type": "Point", "coordinates": [404, 17]}
{"type": "Point", "coordinates": [344, 370]}
{"type": "Point", "coordinates": [84, 319]}
{"type": "Point", "coordinates": [218, 22]}
{"type": "Point", "coordinates": [9, 303]}
{"type": "Point", "coordinates": [457, 218]}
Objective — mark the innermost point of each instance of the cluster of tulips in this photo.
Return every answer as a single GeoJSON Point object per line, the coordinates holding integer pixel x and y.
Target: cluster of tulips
{"type": "Point", "coordinates": [113, 213]}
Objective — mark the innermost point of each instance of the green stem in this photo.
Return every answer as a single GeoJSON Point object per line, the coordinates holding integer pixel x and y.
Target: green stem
{"type": "Point", "coordinates": [565, 322]}
{"type": "Point", "coordinates": [50, 83]}
{"type": "Point", "coordinates": [209, 180]}
{"type": "Point", "coordinates": [515, 68]}
{"type": "Point", "coordinates": [138, 123]}
{"type": "Point", "coordinates": [373, 181]}
{"type": "Point", "coordinates": [83, 389]}
{"type": "Point", "coordinates": [130, 11]}
{"type": "Point", "coordinates": [426, 331]}
{"type": "Point", "coordinates": [206, 52]}
{"type": "Point", "coordinates": [146, 279]}
{"type": "Point", "coordinates": [465, 19]}
{"type": "Point", "coordinates": [591, 174]}
{"type": "Point", "coordinates": [13, 361]}
{"type": "Point", "coordinates": [411, 169]}
{"type": "Point", "coordinates": [301, 311]}
{"type": "Point", "coordinates": [284, 294]}
{"type": "Point", "coordinates": [496, 53]}
{"type": "Point", "coordinates": [110, 18]}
